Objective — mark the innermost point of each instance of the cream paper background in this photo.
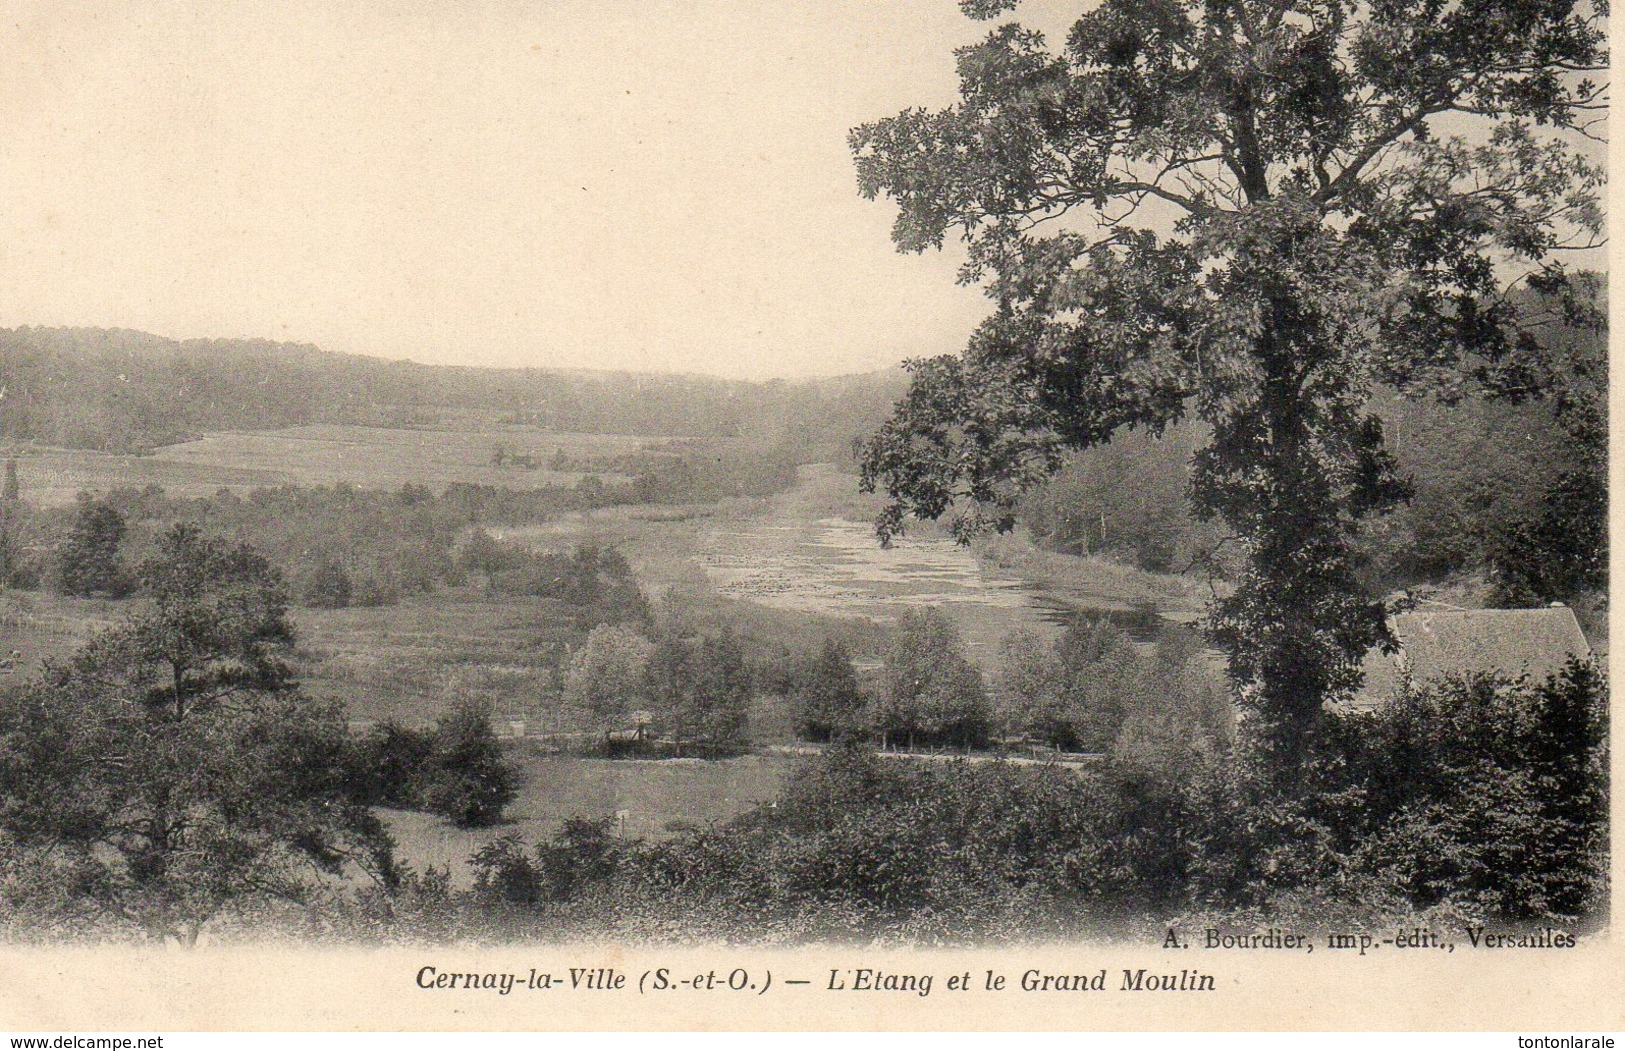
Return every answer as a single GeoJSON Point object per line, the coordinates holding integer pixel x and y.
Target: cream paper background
{"type": "Point", "coordinates": [1554, 991]}
{"type": "Point", "coordinates": [275, 988]}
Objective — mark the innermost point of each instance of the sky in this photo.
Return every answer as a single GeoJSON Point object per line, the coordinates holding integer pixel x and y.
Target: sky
{"type": "Point", "coordinates": [624, 184]}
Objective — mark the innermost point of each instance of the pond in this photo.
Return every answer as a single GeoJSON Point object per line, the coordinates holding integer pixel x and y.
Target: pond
{"type": "Point", "coordinates": [793, 557]}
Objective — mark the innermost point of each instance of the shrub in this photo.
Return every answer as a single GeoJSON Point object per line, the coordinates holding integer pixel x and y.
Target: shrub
{"type": "Point", "coordinates": [328, 587]}
{"type": "Point", "coordinates": [88, 561]}
{"type": "Point", "coordinates": [467, 779]}
{"type": "Point", "coordinates": [1482, 796]}
{"type": "Point", "coordinates": [1504, 809]}
{"type": "Point", "coordinates": [390, 766]}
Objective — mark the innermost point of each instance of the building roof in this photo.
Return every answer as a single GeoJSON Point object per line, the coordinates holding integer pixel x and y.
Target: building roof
{"type": "Point", "coordinates": [1508, 642]}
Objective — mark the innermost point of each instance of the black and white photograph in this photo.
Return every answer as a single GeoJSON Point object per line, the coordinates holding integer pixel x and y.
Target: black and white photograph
{"type": "Point", "coordinates": [853, 480]}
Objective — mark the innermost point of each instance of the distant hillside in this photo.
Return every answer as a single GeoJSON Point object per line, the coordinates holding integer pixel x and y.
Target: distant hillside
{"type": "Point", "coordinates": [120, 390]}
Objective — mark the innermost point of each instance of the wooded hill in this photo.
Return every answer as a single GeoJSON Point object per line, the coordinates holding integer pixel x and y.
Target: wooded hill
{"type": "Point", "coordinates": [124, 391]}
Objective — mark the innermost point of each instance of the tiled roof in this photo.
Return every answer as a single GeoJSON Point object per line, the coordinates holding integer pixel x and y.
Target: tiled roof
{"type": "Point", "coordinates": [1509, 642]}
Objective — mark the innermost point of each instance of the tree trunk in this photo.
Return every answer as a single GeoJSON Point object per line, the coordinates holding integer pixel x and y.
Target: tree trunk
{"type": "Point", "coordinates": [1298, 623]}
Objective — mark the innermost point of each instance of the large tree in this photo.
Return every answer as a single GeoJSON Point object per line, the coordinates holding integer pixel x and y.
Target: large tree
{"type": "Point", "coordinates": [699, 690]}
{"type": "Point", "coordinates": [604, 679]}
{"type": "Point", "coordinates": [1251, 212]}
{"type": "Point", "coordinates": [826, 697]}
{"type": "Point", "coordinates": [172, 768]}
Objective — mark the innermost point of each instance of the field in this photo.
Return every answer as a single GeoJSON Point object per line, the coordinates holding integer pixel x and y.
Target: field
{"type": "Point", "coordinates": [406, 662]}
{"type": "Point", "coordinates": [655, 796]}
{"type": "Point", "coordinates": [320, 454]}
{"type": "Point", "coordinates": [55, 477]}
{"type": "Point", "coordinates": [43, 627]}
{"type": "Point", "coordinates": [387, 458]}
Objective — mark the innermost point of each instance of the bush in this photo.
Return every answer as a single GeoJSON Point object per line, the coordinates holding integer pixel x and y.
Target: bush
{"type": "Point", "coordinates": [1500, 816]}
{"type": "Point", "coordinates": [455, 770]}
{"type": "Point", "coordinates": [390, 766]}
{"type": "Point", "coordinates": [467, 779]}
{"type": "Point", "coordinates": [329, 587]}
{"type": "Point", "coordinates": [582, 855]}
{"type": "Point", "coordinates": [1505, 809]}
{"type": "Point", "coordinates": [1482, 796]}
{"type": "Point", "coordinates": [88, 561]}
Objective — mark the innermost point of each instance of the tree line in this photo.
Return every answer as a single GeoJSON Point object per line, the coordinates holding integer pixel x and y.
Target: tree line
{"type": "Point", "coordinates": [124, 391]}
{"type": "Point", "coordinates": [1501, 819]}
{"type": "Point", "coordinates": [1508, 493]}
{"type": "Point", "coordinates": [339, 545]}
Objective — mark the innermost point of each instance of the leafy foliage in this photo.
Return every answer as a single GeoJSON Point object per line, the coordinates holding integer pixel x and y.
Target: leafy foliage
{"type": "Point", "coordinates": [604, 679]}
{"type": "Point", "coordinates": [1501, 811]}
{"type": "Point", "coordinates": [390, 766]}
{"type": "Point", "coordinates": [88, 562]}
{"type": "Point", "coordinates": [1561, 551]}
{"type": "Point", "coordinates": [172, 768]}
{"type": "Point", "coordinates": [465, 778]}
{"type": "Point", "coordinates": [329, 586]}
{"type": "Point", "coordinates": [931, 693]}
{"type": "Point", "coordinates": [699, 690]}
{"type": "Point", "coordinates": [581, 855]}
{"type": "Point", "coordinates": [1251, 214]}
{"type": "Point", "coordinates": [1094, 691]}
{"type": "Point", "coordinates": [1126, 500]}
{"type": "Point", "coordinates": [589, 578]}
{"type": "Point", "coordinates": [1501, 819]}
{"type": "Point", "coordinates": [829, 703]}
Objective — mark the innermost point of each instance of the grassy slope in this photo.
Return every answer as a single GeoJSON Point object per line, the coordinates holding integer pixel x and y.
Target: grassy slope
{"type": "Point", "coordinates": [655, 795]}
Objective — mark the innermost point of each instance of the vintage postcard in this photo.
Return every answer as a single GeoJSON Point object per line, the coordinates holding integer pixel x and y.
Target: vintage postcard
{"type": "Point", "coordinates": [885, 515]}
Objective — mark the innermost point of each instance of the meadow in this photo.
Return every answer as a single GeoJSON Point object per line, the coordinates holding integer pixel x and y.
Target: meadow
{"type": "Point", "coordinates": [51, 477]}
{"type": "Point", "coordinates": [389, 457]}
{"type": "Point", "coordinates": [43, 627]}
{"type": "Point", "coordinates": [324, 454]}
{"type": "Point", "coordinates": [643, 799]}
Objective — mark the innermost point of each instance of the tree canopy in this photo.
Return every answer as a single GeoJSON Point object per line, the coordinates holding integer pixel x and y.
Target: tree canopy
{"type": "Point", "coordinates": [172, 768]}
{"type": "Point", "coordinates": [699, 689]}
{"type": "Point", "coordinates": [1252, 212]}
{"type": "Point", "coordinates": [465, 776]}
{"type": "Point", "coordinates": [826, 697]}
{"type": "Point", "coordinates": [931, 693]}
{"type": "Point", "coordinates": [604, 679]}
